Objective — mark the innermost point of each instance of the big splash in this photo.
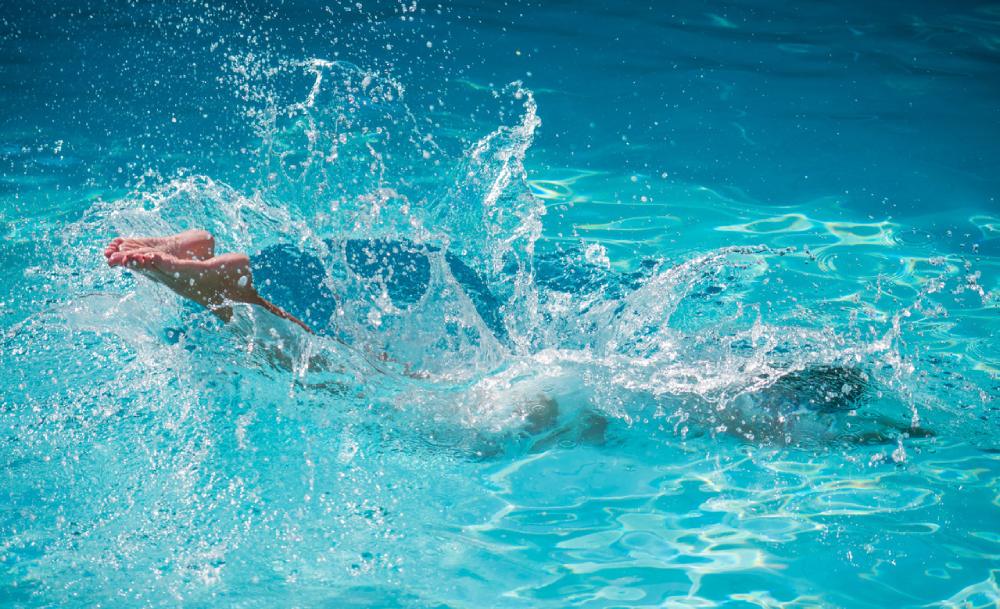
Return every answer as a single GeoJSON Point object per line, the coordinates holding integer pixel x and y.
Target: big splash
{"type": "Point", "coordinates": [619, 431]}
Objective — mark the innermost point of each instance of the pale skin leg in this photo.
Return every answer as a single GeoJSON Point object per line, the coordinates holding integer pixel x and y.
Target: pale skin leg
{"type": "Point", "coordinates": [186, 263]}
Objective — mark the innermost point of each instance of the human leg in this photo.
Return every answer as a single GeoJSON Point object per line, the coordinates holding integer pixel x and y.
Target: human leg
{"type": "Point", "coordinates": [186, 264]}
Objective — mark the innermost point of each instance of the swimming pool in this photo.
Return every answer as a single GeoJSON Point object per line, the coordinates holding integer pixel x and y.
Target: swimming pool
{"type": "Point", "coordinates": [743, 260]}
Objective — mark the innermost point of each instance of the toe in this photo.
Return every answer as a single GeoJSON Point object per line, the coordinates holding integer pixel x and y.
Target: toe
{"type": "Point", "coordinates": [130, 259]}
{"type": "Point", "coordinates": [112, 247]}
{"type": "Point", "coordinates": [145, 259]}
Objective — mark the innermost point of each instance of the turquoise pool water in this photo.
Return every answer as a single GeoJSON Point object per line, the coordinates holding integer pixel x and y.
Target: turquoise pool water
{"type": "Point", "coordinates": [743, 352]}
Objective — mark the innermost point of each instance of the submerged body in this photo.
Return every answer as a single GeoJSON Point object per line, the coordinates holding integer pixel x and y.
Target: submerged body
{"type": "Point", "coordinates": [294, 285]}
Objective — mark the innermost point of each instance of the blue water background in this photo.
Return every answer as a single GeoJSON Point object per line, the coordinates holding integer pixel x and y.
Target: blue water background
{"type": "Point", "coordinates": [152, 458]}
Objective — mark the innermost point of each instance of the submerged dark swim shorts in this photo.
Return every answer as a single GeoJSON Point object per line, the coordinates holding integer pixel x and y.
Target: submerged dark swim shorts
{"type": "Point", "coordinates": [294, 280]}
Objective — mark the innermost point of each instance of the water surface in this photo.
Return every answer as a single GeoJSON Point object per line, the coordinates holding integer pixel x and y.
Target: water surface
{"type": "Point", "coordinates": [749, 250]}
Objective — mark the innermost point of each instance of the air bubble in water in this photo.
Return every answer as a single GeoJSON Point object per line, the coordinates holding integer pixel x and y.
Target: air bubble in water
{"type": "Point", "coordinates": [899, 455]}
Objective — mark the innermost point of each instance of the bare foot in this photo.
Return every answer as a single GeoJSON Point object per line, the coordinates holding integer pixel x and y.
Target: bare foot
{"type": "Point", "coordinates": [186, 263]}
{"type": "Point", "coordinates": [210, 282]}
{"type": "Point", "coordinates": [188, 245]}
{"type": "Point", "coordinates": [214, 282]}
